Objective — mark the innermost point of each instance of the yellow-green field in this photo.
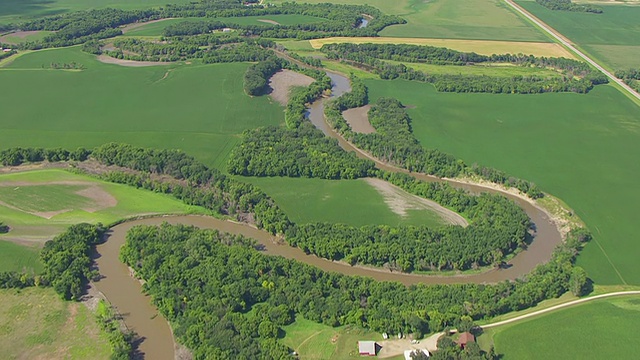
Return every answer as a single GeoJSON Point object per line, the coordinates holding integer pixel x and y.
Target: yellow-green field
{"type": "Point", "coordinates": [36, 324]}
{"type": "Point", "coordinates": [478, 46]}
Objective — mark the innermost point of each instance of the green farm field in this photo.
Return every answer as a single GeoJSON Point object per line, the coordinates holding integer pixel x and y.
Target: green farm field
{"type": "Point", "coordinates": [12, 11]}
{"type": "Point", "coordinates": [37, 204]}
{"type": "Point", "coordinates": [14, 257]}
{"type": "Point", "coordinates": [603, 326]}
{"type": "Point", "coordinates": [612, 37]}
{"type": "Point", "coordinates": [157, 28]}
{"type": "Point", "coordinates": [580, 148]}
{"type": "Point", "coordinates": [36, 324]}
{"type": "Point", "coordinates": [201, 109]}
{"type": "Point", "coordinates": [352, 202]}
{"type": "Point", "coordinates": [452, 19]}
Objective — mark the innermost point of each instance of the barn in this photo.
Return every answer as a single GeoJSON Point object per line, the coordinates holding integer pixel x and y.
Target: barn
{"type": "Point", "coordinates": [367, 348]}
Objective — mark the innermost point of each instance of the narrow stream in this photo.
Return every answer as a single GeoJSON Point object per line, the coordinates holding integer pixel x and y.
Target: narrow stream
{"type": "Point", "coordinates": [125, 293]}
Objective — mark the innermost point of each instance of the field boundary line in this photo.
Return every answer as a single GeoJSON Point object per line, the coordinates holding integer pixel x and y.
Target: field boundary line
{"type": "Point", "coordinates": [565, 41]}
{"type": "Point", "coordinates": [609, 259]}
{"type": "Point", "coordinates": [561, 306]}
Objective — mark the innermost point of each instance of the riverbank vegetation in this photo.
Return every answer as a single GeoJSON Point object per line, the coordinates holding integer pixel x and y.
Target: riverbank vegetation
{"type": "Point", "coordinates": [67, 260]}
{"type": "Point", "coordinates": [302, 152]}
{"type": "Point", "coordinates": [573, 76]}
{"type": "Point", "coordinates": [235, 279]}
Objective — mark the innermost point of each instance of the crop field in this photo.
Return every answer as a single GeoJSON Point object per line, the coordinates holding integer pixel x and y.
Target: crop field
{"type": "Point", "coordinates": [37, 204]}
{"type": "Point", "coordinates": [36, 324]}
{"type": "Point", "coordinates": [157, 28]}
{"type": "Point", "coordinates": [613, 37]}
{"type": "Point", "coordinates": [352, 202]}
{"type": "Point", "coordinates": [507, 70]}
{"type": "Point", "coordinates": [12, 11]}
{"type": "Point", "coordinates": [200, 109]}
{"type": "Point", "coordinates": [469, 19]}
{"type": "Point", "coordinates": [581, 148]}
{"type": "Point", "coordinates": [14, 257]}
{"type": "Point", "coordinates": [451, 19]}
{"type": "Point", "coordinates": [603, 326]}
{"type": "Point", "coordinates": [478, 46]}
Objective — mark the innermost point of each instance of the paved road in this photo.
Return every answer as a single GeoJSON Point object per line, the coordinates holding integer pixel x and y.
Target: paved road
{"type": "Point", "coordinates": [566, 43]}
{"type": "Point", "coordinates": [570, 303]}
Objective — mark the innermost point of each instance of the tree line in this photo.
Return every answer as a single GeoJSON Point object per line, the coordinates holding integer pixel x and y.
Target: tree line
{"type": "Point", "coordinates": [82, 26]}
{"type": "Point", "coordinates": [301, 152]}
{"type": "Point", "coordinates": [567, 5]}
{"type": "Point", "coordinates": [227, 300]}
{"type": "Point", "coordinates": [630, 77]}
{"type": "Point", "coordinates": [573, 76]}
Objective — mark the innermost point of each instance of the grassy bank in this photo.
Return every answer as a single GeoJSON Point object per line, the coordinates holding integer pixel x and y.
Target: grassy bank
{"type": "Point", "coordinates": [36, 324]}
{"type": "Point", "coordinates": [580, 148]}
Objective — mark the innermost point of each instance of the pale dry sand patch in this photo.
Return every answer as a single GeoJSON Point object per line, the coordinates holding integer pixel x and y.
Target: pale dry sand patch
{"type": "Point", "coordinates": [358, 119]}
{"type": "Point", "coordinates": [484, 47]}
{"type": "Point", "coordinates": [272, 22]}
{"type": "Point", "coordinates": [100, 199]}
{"type": "Point", "coordinates": [129, 63]}
{"type": "Point", "coordinates": [282, 82]}
{"type": "Point", "coordinates": [399, 201]}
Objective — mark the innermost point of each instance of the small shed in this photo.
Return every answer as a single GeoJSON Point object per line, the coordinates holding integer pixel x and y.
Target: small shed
{"type": "Point", "coordinates": [367, 348]}
{"type": "Point", "coordinates": [407, 353]}
{"type": "Point", "coordinates": [465, 338]}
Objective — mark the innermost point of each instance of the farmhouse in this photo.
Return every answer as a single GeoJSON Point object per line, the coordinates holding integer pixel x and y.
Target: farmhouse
{"type": "Point", "coordinates": [367, 348]}
{"type": "Point", "coordinates": [465, 338]}
{"type": "Point", "coordinates": [407, 353]}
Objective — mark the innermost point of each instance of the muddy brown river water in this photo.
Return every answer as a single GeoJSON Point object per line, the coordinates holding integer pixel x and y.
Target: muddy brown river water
{"type": "Point", "coordinates": [124, 292]}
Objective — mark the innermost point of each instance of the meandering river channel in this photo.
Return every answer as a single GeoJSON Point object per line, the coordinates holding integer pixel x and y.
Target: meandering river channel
{"type": "Point", "coordinates": [124, 292]}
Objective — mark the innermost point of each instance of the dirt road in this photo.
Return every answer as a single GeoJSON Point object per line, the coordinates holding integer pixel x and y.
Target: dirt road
{"type": "Point", "coordinates": [564, 41]}
{"type": "Point", "coordinates": [556, 307]}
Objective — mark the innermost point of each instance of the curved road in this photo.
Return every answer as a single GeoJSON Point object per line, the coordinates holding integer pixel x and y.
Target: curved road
{"type": "Point", "coordinates": [560, 306]}
{"type": "Point", "coordinates": [556, 35]}
{"type": "Point", "coordinates": [431, 342]}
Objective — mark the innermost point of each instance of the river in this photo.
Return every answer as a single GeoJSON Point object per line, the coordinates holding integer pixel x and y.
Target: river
{"type": "Point", "coordinates": [125, 293]}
